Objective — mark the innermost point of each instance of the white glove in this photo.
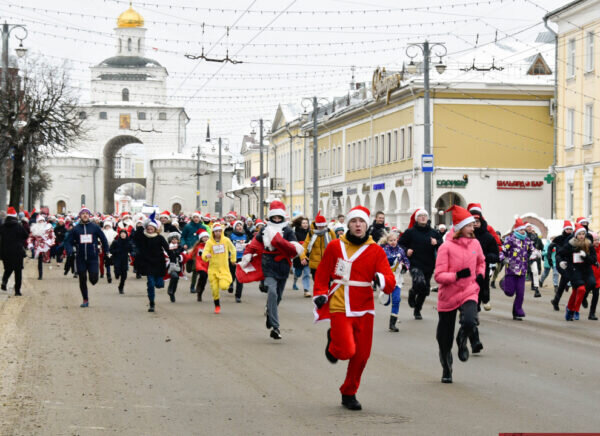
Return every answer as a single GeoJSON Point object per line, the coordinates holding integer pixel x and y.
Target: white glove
{"type": "Point", "coordinates": [582, 253]}
{"type": "Point", "coordinates": [246, 258]}
{"type": "Point", "coordinates": [563, 265]}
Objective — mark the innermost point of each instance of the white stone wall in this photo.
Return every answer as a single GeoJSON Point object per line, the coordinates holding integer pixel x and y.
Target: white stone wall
{"type": "Point", "coordinates": [72, 178]}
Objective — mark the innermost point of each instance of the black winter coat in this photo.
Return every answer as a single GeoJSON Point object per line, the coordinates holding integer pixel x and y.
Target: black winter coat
{"type": "Point", "coordinates": [59, 233]}
{"type": "Point", "coordinates": [150, 254]}
{"type": "Point", "coordinates": [120, 250]}
{"type": "Point", "coordinates": [12, 243]}
{"type": "Point", "coordinates": [377, 231]}
{"type": "Point", "coordinates": [489, 246]}
{"type": "Point", "coordinates": [271, 267]}
{"type": "Point", "coordinates": [579, 273]}
{"type": "Point", "coordinates": [300, 237]}
{"type": "Point", "coordinates": [418, 239]}
{"type": "Point", "coordinates": [557, 244]}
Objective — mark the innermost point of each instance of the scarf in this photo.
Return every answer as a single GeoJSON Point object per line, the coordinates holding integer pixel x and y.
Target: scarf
{"type": "Point", "coordinates": [355, 240]}
{"type": "Point", "coordinates": [150, 235]}
{"type": "Point", "coordinates": [316, 233]}
{"type": "Point", "coordinates": [520, 236]}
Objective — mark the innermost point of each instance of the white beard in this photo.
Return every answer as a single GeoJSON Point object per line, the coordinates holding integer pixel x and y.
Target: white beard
{"type": "Point", "coordinates": [270, 231]}
{"type": "Point", "coordinates": [39, 229]}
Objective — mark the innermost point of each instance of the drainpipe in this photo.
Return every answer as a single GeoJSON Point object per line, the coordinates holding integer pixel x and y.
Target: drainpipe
{"type": "Point", "coordinates": [153, 181]}
{"type": "Point", "coordinates": [96, 167]}
{"type": "Point", "coordinates": [553, 193]}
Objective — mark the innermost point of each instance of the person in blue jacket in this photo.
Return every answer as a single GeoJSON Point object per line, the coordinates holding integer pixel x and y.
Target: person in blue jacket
{"type": "Point", "coordinates": [189, 237]}
{"type": "Point", "coordinates": [240, 239]}
{"type": "Point", "coordinates": [85, 237]}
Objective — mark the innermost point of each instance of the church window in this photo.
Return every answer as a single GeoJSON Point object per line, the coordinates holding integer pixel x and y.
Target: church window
{"type": "Point", "coordinates": [139, 44]}
{"type": "Point", "coordinates": [141, 115]}
{"type": "Point", "coordinates": [162, 116]}
{"type": "Point", "coordinates": [129, 44]}
{"type": "Point", "coordinates": [103, 116]}
{"type": "Point", "coordinates": [82, 115]}
{"type": "Point", "coordinates": [125, 94]}
{"type": "Point", "coordinates": [120, 45]}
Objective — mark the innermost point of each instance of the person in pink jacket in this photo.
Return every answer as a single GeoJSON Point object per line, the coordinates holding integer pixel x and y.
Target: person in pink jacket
{"type": "Point", "coordinates": [459, 270]}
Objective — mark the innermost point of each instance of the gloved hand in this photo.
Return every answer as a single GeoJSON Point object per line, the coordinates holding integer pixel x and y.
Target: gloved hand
{"type": "Point", "coordinates": [320, 301]}
{"type": "Point", "coordinates": [376, 283]}
{"type": "Point", "coordinates": [582, 253]}
{"type": "Point", "coordinates": [463, 273]}
{"type": "Point", "coordinates": [563, 265]}
{"type": "Point", "coordinates": [505, 261]}
{"type": "Point", "coordinates": [479, 280]}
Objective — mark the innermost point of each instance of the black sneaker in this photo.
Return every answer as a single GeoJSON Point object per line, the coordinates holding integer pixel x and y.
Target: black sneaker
{"type": "Point", "coordinates": [3, 286]}
{"type": "Point", "coordinates": [109, 279]}
{"type": "Point", "coordinates": [171, 296]}
{"type": "Point", "coordinates": [417, 314]}
{"type": "Point", "coordinates": [350, 402]}
{"type": "Point", "coordinates": [121, 290]}
{"type": "Point", "coordinates": [537, 294]}
{"type": "Point", "coordinates": [275, 334]}
{"type": "Point", "coordinates": [238, 300]}
{"type": "Point", "coordinates": [411, 298]}
{"type": "Point", "coordinates": [192, 290]}
{"type": "Point", "coordinates": [463, 350]}
{"type": "Point", "coordinates": [328, 355]}
{"type": "Point", "coordinates": [151, 308]}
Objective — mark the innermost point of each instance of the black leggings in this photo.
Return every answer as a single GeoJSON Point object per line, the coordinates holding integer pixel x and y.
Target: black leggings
{"type": "Point", "coordinates": [40, 265]}
{"type": "Point", "coordinates": [447, 321]}
{"type": "Point", "coordinates": [8, 270]}
{"type": "Point", "coordinates": [123, 277]}
{"type": "Point", "coordinates": [202, 279]}
{"type": "Point", "coordinates": [593, 304]}
{"type": "Point", "coordinates": [83, 276]}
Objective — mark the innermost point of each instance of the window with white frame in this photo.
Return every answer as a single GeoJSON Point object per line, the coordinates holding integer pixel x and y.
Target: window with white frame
{"type": "Point", "coordinates": [570, 200]}
{"type": "Point", "coordinates": [589, 52]}
{"type": "Point", "coordinates": [588, 126]}
{"type": "Point", "coordinates": [395, 146]}
{"type": "Point", "coordinates": [365, 162]}
{"type": "Point", "coordinates": [348, 152]}
{"type": "Point", "coordinates": [389, 147]}
{"type": "Point", "coordinates": [588, 198]}
{"type": "Point", "coordinates": [569, 128]}
{"type": "Point", "coordinates": [402, 144]}
{"type": "Point", "coordinates": [375, 150]}
{"type": "Point", "coordinates": [409, 142]}
{"type": "Point", "coordinates": [339, 161]}
{"type": "Point", "coordinates": [382, 149]}
{"type": "Point", "coordinates": [355, 157]}
{"type": "Point", "coordinates": [571, 58]}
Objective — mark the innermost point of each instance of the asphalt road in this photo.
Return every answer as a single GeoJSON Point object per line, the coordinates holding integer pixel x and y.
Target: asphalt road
{"type": "Point", "coordinates": [116, 369]}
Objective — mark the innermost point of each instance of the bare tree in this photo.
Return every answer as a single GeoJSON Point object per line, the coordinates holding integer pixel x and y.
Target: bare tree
{"type": "Point", "coordinates": [40, 118]}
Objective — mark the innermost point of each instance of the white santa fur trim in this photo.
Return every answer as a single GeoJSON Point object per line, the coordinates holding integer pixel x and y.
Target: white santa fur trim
{"type": "Point", "coordinates": [460, 225]}
{"type": "Point", "coordinates": [299, 247]}
{"type": "Point", "coordinates": [357, 214]}
{"type": "Point", "coordinates": [475, 209]}
{"type": "Point", "coordinates": [421, 212]}
{"type": "Point", "coordinates": [381, 278]}
{"type": "Point", "coordinates": [582, 229]}
{"type": "Point", "coordinates": [276, 212]}
{"type": "Point", "coordinates": [523, 227]}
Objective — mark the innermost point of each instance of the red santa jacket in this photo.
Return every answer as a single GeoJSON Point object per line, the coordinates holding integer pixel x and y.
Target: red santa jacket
{"type": "Point", "coordinates": [367, 262]}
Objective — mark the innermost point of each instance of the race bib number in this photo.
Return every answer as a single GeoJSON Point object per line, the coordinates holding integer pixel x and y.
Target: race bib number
{"type": "Point", "coordinates": [343, 269]}
{"type": "Point", "coordinates": [239, 246]}
{"type": "Point", "coordinates": [577, 258]}
{"type": "Point", "coordinates": [85, 239]}
{"type": "Point", "coordinates": [219, 249]}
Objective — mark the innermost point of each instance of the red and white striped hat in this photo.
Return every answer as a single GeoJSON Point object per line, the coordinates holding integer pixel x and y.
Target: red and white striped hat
{"type": "Point", "coordinates": [359, 212]}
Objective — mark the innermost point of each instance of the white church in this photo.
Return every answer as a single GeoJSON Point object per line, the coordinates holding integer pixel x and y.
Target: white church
{"type": "Point", "coordinates": [128, 105]}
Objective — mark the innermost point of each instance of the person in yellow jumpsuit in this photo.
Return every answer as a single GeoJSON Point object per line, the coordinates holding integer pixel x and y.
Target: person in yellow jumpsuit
{"type": "Point", "coordinates": [218, 252]}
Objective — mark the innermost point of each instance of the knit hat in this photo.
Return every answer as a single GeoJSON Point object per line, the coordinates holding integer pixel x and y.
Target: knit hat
{"type": "Point", "coordinates": [579, 228]}
{"type": "Point", "coordinates": [582, 220]}
{"type": "Point", "coordinates": [217, 227]}
{"type": "Point", "coordinates": [11, 212]}
{"type": "Point", "coordinates": [519, 224]}
{"type": "Point", "coordinates": [413, 217]}
{"type": "Point", "coordinates": [123, 230]}
{"type": "Point", "coordinates": [276, 208]}
{"type": "Point", "coordinates": [320, 220]}
{"type": "Point", "coordinates": [151, 221]}
{"type": "Point", "coordinates": [460, 217]}
{"type": "Point", "coordinates": [359, 212]}
{"type": "Point", "coordinates": [84, 209]}
{"type": "Point", "coordinates": [567, 225]}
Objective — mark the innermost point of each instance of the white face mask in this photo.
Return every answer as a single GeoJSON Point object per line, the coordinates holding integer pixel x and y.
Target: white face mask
{"type": "Point", "coordinates": [173, 246]}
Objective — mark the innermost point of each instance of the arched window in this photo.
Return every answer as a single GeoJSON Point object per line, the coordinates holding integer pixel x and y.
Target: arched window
{"type": "Point", "coordinates": [120, 45]}
{"type": "Point", "coordinates": [129, 44]}
{"type": "Point", "coordinates": [125, 94]}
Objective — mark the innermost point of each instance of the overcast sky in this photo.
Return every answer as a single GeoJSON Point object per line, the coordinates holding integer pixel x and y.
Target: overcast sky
{"type": "Point", "coordinates": [317, 59]}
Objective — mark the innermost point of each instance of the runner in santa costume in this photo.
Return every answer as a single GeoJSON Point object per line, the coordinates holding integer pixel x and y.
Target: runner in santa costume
{"type": "Point", "coordinates": [515, 254]}
{"type": "Point", "coordinates": [459, 269]}
{"type": "Point", "coordinates": [343, 292]}
{"type": "Point", "coordinates": [41, 241]}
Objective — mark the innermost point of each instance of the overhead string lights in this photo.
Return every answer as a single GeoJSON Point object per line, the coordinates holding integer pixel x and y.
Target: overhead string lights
{"type": "Point", "coordinates": [207, 59]}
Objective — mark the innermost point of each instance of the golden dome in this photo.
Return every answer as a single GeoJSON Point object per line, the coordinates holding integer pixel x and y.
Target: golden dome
{"type": "Point", "coordinates": [130, 18]}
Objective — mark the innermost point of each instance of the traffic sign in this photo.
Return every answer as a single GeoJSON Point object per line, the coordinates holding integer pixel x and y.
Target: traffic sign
{"type": "Point", "coordinates": [427, 163]}
{"type": "Point", "coordinates": [204, 202]}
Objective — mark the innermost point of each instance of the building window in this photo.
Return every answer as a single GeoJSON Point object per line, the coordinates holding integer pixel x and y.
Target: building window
{"type": "Point", "coordinates": [82, 115]}
{"type": "Point", "coordinates": [120, 45]}
{"type": "Point", "coordinates": [402, 148]}
{"type": "Point", "coordinates": [571, 59]}
{"type": "Point", "coordinates": [162, 116]}
{"type": "Point", "coordinates": [348, 158]}
{"type": "Point", "coordinates": [588, 198]}
{"type": "Point", "coordinates": [129, 44]}
{"type": "Point", "coordinates": [395, 147]}
{"type": "Point", "coordinates": [382, 149]}
{"type": "Point", "coordinates": [364, 155]}
{"type": "Point", "coordinates": [139, 45]}
{"type": "Point", "coordinates": [569, 132]}
{"type": "Point", "coordinates": [589, 52]}
{"type": "Point", "coordinates": [141, 115]}
{"type": "Point", "coordinates": [589, 124]}
{"type": "Point", "coordinates": [389, 147]}
{"type": "Point", "coordinates": [409, 142]}
{"type": "Point", "coordinates": [103, 116]}
{"type": "Point", "coordinates": [339, 161]}
{"type": "Point", "coordinates": [375, 150]}
{"type": "Point", "coordinates": [125, 94]}
{"type": "Point", "coordinates": [570, 200]}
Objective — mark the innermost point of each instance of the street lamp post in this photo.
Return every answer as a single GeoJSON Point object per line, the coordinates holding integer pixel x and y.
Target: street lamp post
{"type": "Point", "coordinates": [426, 49]}
{"type": "Point", "coordinates": [220, 190]}
{"type": "Point", "coordinates": [261, 125]}
{"type": "Point", "coordinates": [6, 30]}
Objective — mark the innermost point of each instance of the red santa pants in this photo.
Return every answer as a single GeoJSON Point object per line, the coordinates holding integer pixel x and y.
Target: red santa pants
{"type": "Point", "coordinates": [351, 339]}
{"type": "Point", "coordinates": [576, 299]}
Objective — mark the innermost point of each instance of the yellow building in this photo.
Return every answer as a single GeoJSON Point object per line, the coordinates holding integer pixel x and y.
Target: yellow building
{"type": "Point", "coordinates": [578, 88]}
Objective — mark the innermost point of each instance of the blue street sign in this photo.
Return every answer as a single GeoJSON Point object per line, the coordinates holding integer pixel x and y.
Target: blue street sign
{"type": "Point", "coordinates": [427, 163]}
{"type": "Point", "coordinates": [204, 202]}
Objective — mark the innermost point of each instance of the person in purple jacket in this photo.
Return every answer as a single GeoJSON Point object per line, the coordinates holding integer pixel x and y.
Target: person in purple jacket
{"type": "Point", "coordinates": [516, 251]}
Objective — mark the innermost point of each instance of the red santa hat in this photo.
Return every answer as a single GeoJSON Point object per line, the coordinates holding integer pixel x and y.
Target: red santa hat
{"type": "Point", "coordinates": [320, 220]}
{"type": "Point", "coordinates": [582, 220]}
{"type": "Point", "coordinates": [235, 223]}
{"type": "Point", "coordinates": [40, 218]}
{"type": "Point", "coordinates": [359, 212]}
{"type": "Point", "coordinates": [232, 214]}
{"type": "Point", "coordinates": [202, 233]}
{"type": "Point", "coordinates": [519, 224]}
{"type": "Point", "coordinates": [567, 225]}
{"type": "Point", "coordinates": [165, 213]}
{"type": "Point", "coordinates": [197, 213]}
{"type": "Point", "coordinates": [413, 217]}
{"type": "Point", "coordinates": [276, 208]}
{"type": "Point", "coordinates": [125, 215]}
{"type": "Point", "coordinates": [11, 212]}
{"type": "Point", "coordinates": [475, 209]}
{"type": "Point", "coordinates": [460, 217]}
{"type": "Point", "coordinates": [579, 228]}
{"type": "Point", "coordinates": [217, 227]}
{"type": "Point", "coordinates": [26, 214]}
{"type": "Point", "coordinates": [259, 222]}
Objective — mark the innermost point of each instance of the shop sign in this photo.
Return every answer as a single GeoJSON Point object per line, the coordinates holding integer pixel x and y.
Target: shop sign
{"type": "Point", "coordinates": [519, 184]}
{"type": "Point", "coordinates": [399, 183]}
{"type": "Point", "coordinates": [451, 183]}
{"type": "Point", "coordinates": [378, 186]}
{"type": "Point", "coordinates": [407, 180]}
{"type": "Point", "coordinates": [323, 194]}
{"type": "Point", "coordinates": [337, 193]}
{"type": "Point", "coordinates": [366, 188]}
{"type": "Point", "coordinates": [351, 191]}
